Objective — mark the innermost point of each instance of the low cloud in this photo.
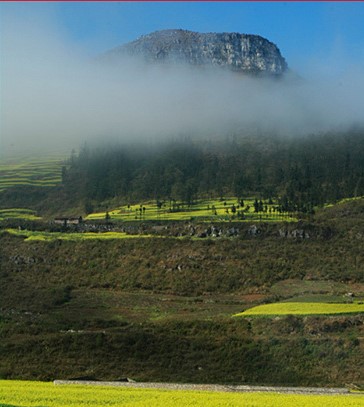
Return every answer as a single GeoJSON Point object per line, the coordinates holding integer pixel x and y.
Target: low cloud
{"type": "Point", "coordinates": [53, 96]}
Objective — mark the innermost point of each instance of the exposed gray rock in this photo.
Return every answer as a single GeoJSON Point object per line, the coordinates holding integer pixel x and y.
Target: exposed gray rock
{"type": "Point", "coordinates": [253, 230]}
{"type": "Point", "coordinates": [23, 260]}
{"type": "Point", "coordinates": [232, 232]}
{"type": "Point", "coordinates": [237, 52]}
{"type": "Point", "coordinates": [283, 232]}
{"type": "Point", "coordinates": [294, 234]}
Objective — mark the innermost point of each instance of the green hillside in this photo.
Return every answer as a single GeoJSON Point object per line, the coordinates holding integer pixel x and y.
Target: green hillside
{"type": "Point", "coordinates": [174, 241]}
{"type": "Point", "coordinates": [161, 309]}
{"type": "Point", "coordinates": [30, 171]}
{"type": "Point", "coordinates": [279, 175]}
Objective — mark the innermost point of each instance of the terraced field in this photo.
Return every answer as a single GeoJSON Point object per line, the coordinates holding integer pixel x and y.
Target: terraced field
{"type": "Point", "coordinates": [21, 393]}
{"type": "Point", "coordinates": [30, 171]}
{"type": "Point", "coordinates": [229, 209]}
{"type": "Point", "coordinates": [18, 213]}
{"type": "Point", "coordinates": [303, 308]}
{"type": "Point", "coordinates": [47, 172]}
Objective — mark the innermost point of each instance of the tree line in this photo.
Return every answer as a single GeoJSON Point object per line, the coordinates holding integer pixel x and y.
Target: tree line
{"type": "Point", "coordinates": [299, 172]}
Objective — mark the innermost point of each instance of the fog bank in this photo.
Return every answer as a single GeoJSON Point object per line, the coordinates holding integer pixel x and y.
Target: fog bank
{"type": "Point", "coordinates": [53, 97]}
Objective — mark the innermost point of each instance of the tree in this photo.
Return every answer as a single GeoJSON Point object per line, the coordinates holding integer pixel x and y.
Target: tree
{"type": "Point", "coordinates": [88, 207]}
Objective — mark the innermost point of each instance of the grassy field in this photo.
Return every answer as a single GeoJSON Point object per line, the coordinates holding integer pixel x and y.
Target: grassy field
{"type": "Point", "coordinates": [229, 209]}
{"type": "Point", "coordinates": [20, 393]}
{"type": "Point", "coordinates": [30, 171]}
{"type": "Point", "coordinates": [304, 308]}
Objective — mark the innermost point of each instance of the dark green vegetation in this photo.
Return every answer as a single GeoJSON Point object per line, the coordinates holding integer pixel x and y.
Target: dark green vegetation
{"type": "Point", "coordinates": [297, 174]}
{"type": "Point", "coordinates": [160, 309]}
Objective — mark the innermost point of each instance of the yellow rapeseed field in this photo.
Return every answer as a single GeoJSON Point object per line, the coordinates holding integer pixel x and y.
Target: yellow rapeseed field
{"type": "Point", "coordinates": [18, 213]}
{"type": "Point", "coordinates": [203, 210]}
{"type": "Point", "coordinates": [31, 394]}
{"type": "Point", "coordinates": [50, 236]}
{"type": "Point", "coordinates": [303, 308]}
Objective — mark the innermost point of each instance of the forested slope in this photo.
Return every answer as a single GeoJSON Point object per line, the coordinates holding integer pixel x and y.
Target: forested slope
{"type": "Point", "coordinates": [301, 172]}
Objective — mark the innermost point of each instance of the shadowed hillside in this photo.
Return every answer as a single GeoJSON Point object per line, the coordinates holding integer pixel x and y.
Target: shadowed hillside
{"type": "Point", "coordinates": [135, 308]}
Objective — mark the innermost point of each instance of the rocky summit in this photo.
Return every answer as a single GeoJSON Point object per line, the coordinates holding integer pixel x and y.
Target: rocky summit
{"type": "Point", "coordinates": [237, 52]}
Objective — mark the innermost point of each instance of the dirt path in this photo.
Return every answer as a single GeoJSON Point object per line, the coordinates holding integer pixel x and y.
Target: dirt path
{"type": "Point", "coordinates": [212, 387]}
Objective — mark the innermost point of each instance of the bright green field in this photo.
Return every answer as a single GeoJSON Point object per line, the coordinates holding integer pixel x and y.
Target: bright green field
{"type": "Point", "coordinates": [18, 213]}
{"type": "Point", "coordinates": [36, 394]}
{"type": "Point", "coordinates": [303, 308]}
{"type": "Point", "coordinates": [30, 171]}
{"type": "Point", "coordinates": [208, 209]}
{"type": "Point", "coordinates": [49, 236]}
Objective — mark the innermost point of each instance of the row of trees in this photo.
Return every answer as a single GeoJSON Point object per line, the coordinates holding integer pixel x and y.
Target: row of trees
{"type": "Point", "coordinates": [299, 172]}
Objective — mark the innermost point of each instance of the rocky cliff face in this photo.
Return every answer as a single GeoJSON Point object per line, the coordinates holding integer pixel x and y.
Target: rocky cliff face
{"type": "Point", "coordinates": [237, 52]}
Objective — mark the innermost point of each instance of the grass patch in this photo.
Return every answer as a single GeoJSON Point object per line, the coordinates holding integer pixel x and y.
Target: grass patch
{"type": "Point", "coordinates": [20, 393]}
{"type": "Point", "coordinates": [144, 306]}
{"type": "Point", "coordinates": [51, 236]}
{"type": "Point", "coordinates": [293, 287]}
{"type": "Point", "coordinates": [303, 308]}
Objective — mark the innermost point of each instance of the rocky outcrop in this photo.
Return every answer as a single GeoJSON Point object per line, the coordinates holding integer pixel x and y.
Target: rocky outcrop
{"type": "Point", "coordinates": [237, 52]}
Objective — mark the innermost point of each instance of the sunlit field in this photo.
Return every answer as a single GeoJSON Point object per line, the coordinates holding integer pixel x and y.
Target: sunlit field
{"type": "Point", "coordinates": [50, 236]}
{"type": "Point", "coordinates": [35, 394]}
{"type": "Point", "coordinates": [18, 213]}
{"type": "Point", "coordinates": [304, 308]}
{"type": "Point", "coordinates": [228, 209]}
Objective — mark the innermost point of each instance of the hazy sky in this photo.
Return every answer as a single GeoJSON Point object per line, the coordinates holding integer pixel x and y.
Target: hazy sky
{"type": "Point", "coordinates": [52, 94]}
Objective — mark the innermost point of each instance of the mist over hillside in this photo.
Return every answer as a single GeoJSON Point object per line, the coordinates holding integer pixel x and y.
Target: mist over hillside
{"type": "Point", "coordinates": [54, 96]}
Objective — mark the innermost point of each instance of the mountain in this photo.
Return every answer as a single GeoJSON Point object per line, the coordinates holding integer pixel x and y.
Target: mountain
{"type": "Point", "coordinates": [238, 52]}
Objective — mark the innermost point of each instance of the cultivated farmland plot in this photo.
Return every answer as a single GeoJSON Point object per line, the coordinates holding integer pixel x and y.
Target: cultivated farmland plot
{"type": "Point", "coordinates": [47, 172]}
{"type": "Point", "coordinates": [303, 308]}
{"type": "Point", "coordinates": [18, 213]}
{"type": "Point", "coordinates": [30, 171]}
{"type": "Point", "coordinates": [34, 394]}
{"type": "Point", "coordinates": [51, 236]}
{"type": "Point", "coordinates": [228, 209]}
